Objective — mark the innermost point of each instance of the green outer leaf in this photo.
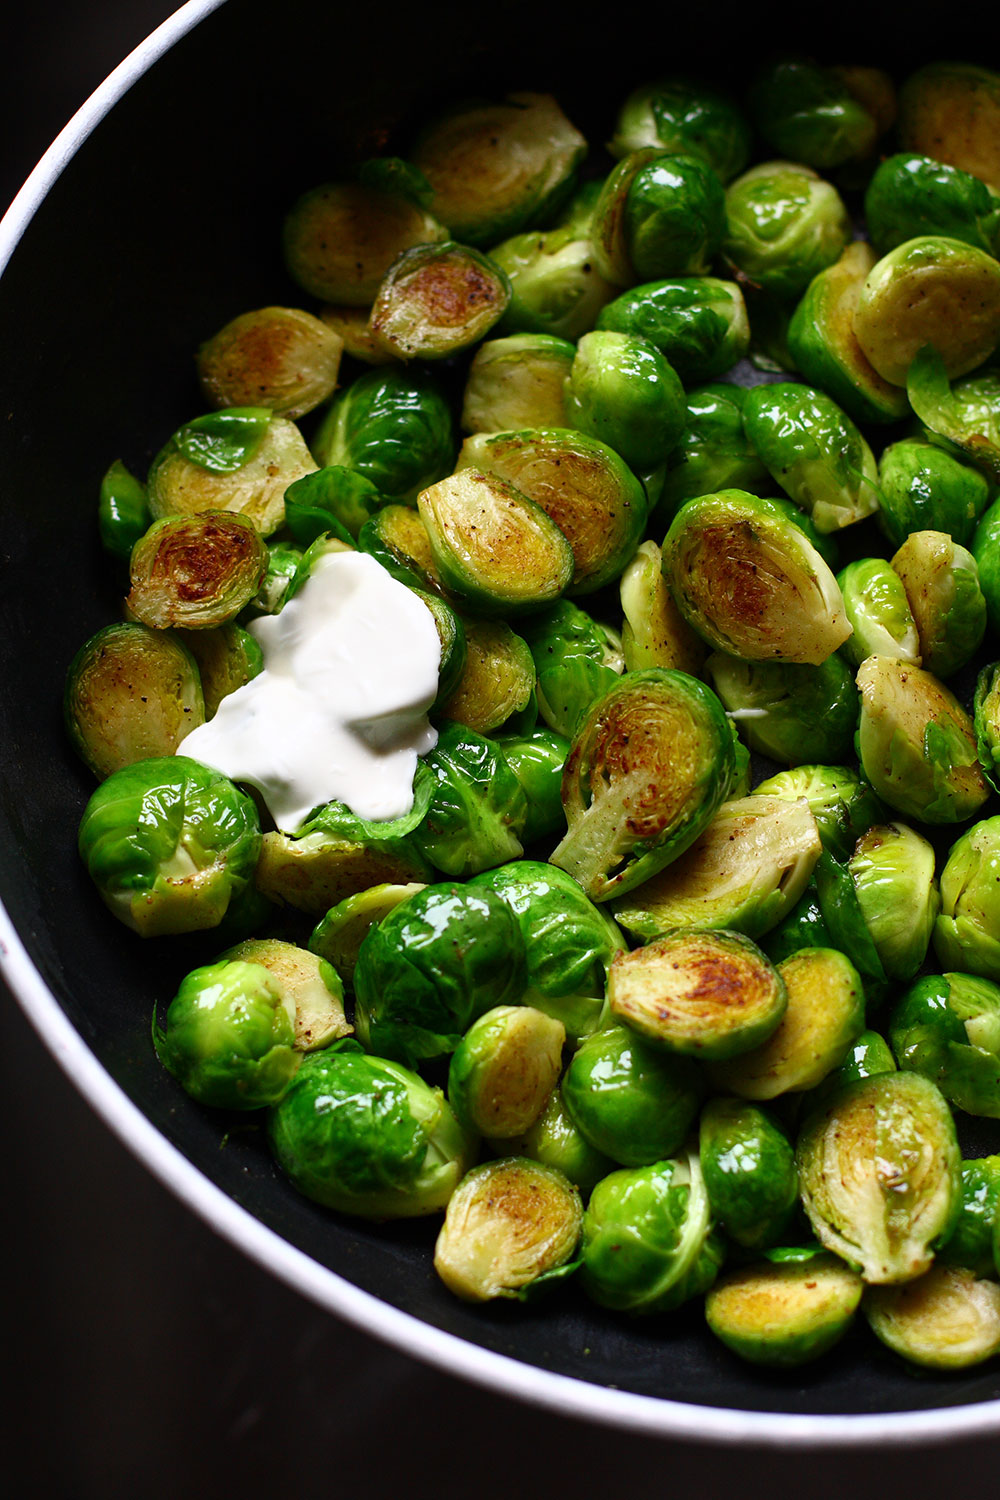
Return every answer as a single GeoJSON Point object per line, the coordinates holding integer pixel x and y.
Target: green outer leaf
{"type": "Point", "coordinates": [223, 441]}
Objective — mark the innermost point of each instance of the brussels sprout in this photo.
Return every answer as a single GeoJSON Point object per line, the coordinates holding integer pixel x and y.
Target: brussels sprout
{"type": "Point", "coordinates": [195, 571]}
{"type": "Point", "coordinates": [706, 994]}
{"type": "Point", "coordinates": [917, 744]}
{"type": "Point", "coordinates": [808, 114]}
{"type": "Point", "coordinates": [312, 984]}
{"type": "Point", "coordinates": [841, 802]}
{"type": "Point", "coordinates": [686, 116]}
{"type": "Point", "coordinates": [477, 809]}
{"type": "Point", "coordinates": [350, 324]}
{"type": "Point", "coordinates": [750, 581]}
{"type": "Point", "coordinates": [555, 287]}
{"type": "Point", "coordinates": [824, 348]}
{"type": "Point", "coordinates": [942, 586]}
{"type": "Point", "coordinates": [496, 678]}
{"type": "Point", "coordinates": [650, 765]}
{"type": "Point", "coordinates": [340, 238]}
{"type": "Point", "coordinates": [577, 660]}
{"type": "Point", "coordinates": [131, 693]}
{"type": "Point", "coordinates": [946, 1319]}
{"type": "Point", "coordinates": [714, 453]}
{"type": "Point", "coordinates": [951, 111]}
{"type": "Point", "coordinates": [432, 966]}
{"type": "Point", "coordinates": [283, 560]}
{"type": "Point", "coordinates": [493, 547]}
{"type": "Point", "coordinates": [510, 1226]}
{"type": "Point", "coordinates": [397, 538]}
{"type": "Point", "coordinates": [967, 931]}
{"type": "Point", "coordinates": [337, 937]}
{"type": "Point", "coordinates": [314, 872]}
{"type": "Point", "coordinates": [841, 910]}
{"type": "Point", "coordinates": [814, 451]}
{"type": "Point", "coordinates": [228, 1036]}
{"type": "Point", "coordinates": [784, 224]}
{"type": "Point", "coordinates": [784, 1314]}
{"type": "Point", "coordinates": [122, 510]}
{"type": "Point", "coordinates": [226, 657]}
{"type": "Point", "coordinates": [747, 869]}
{"type": "Point", "coordinates": [586, 488]}
{"type": "Point", "coordinates": [556, 1142]}
{"type": "Point", "coordinates": [929, 290]}
{"type": "Point", "coordinates": [805, 926]}
{"type": "Point", "coordinates": [648, 1241]}
{"type": "Point", "coordinates": [569, 942]}
{"type": "Point", "coordinates": [749, 1168]}
{"type": "Point", "coordinates": [517, 382]}
{"type": "Point", "coordinates": [892, 868]}
{"type": "Point", "coordinates": [879, 1174]}
{"type": "Point", "coordinates": [824, 1014]}
{"type": "Point", "coordinates": [866, 1057]}
{"type": "Point", "coordinates": [947, 1027]}
{"type": "Point", "coordinates": [537, 757]}
{"type": "Point", "coordinates": [962, 417]}
{"type": "Point", "coordinates": [872, 87]}
{"type": "Point", "coordinates": [621, 389]}
{"type": "Point", "coordinates": [632, 1101]}
{"type": "Point", "coordinates": [658, 214]}
{"type": "Point", "coordinates": [876, 605]}
{"type": "Point", "coordinates": [278, 357]}
{"type": "Point", "coordinates": [970, 1243]}
{"type": "Point", "coordinates": [170, 844]}
{"type": "Point", "coordinates": [921, 487]}
{"type": "Point", "coordinates": [504, 1069]}
{"type": "Point", "coordinates": [911, 195]}
{"type": "Point", "coordinates": [436, 300]}
{"type": "Point", "coordinates": [238, 459]}
{"type": "Point", "coordinates": [789, 711]}
{"type": "Point", "coordinates": [698, 323]}
{"type": "Point", "coordinates": [654, 632]}
{"type": "Point", "coordinates": [986, 718]}
{"type": "Point", "coordinates": [495, 168]}
{"type": "Point", "coordinates": [366, 1136]}
{"type": "Point", "coordinates": [392, 425]}
{"type": "Point", "coordinates": [333, 500]}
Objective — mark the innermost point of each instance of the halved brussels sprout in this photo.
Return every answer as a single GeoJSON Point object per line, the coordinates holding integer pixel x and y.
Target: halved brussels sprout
{"type": "Point", "coordinates": [911, 195]}
{"type": "Point", "coordinates": [967, 931]}
{"type": "Point", "coordinates": [366, 1136]}
{"type": "Point", "coordinates": [494, 168]}
{"type": "Point", "coordinates": [707, 994]}
{"type": "Point", "coordinates": [917, 744]}
{"type": "Point", "coordinates": [517, 381]}
{"type": "Point", "coordinates": [537, 757]}
{"type": "Point", "coordinates": [195, 571]}
{"type": "Point", "coordinates": [279, 357]}
{"type": "Point", "coordinates": [687, 116]}
{"type": "Point", "coordinates": [310, 981]}
{"type": "Point", "coordinates": [478, 807]}
{"type": "Point", "coordinates": [170, 844]}
{"type": "Point", "coordinates": [504, 1069]}
{"type": "Point", "coordinates": [228, 1035]}
{"type": "Point", "coordinates": [986, 718]}
{"type": "Point", "coordinates": [698, 323]}
{"type": "Point", "coordinates": [962, 416]}
{"type": "Point", "coordinates": [947, 1027]}
{"type": "Point", "coordinates": [622, 390]}
{"type": "Point", "coordinates": [946, 1319]}
{"type": "Point", "coordinates": [397, 538]}
{"type": "Point", "coordinates": [951, 111]}
{"type": "Point", "coordinates": [784, 224]}
{"type": "Point", "coordinates": [577, 660]}
{"type": "Point", "coordinates": [586, 488]}
{"type": "Point", "coordinates": [970, 1243]}
{"type": "Point", "coordinates": [340, 239]}
{"type": "Point", "coordinates": [496, 679]}
{"type": "Point", "coordinates": [747, 869]}
{"type": "Point", "coordinates": [650, 765]}
{"type": "Point", "coordinates": [632, 1101]}
{"type": "Point", "coordinates": [784, 1314]}
{"type": "Point", "coordinates": [555, 1141]}
{"type": "Point", "coordinates": [654, 632]}
{"type": "Point", "coordinates": [338, 936]}
{"type": "Point", "coordinates": [875, 603]}
{"type": "Point", "coordinates": [748, 1164]}
{"type": "Point", "coordinates": [807, 113]}
{"type": "Point", "coordinates": [493, 546]}
{"type": "Point", "coordinates": [824, 1014]}
{"type": "Point", "coordinates": [509, 1226]}
{"type": "Point", "coordinates": [814, 451]}
{"type": "Point", "coordinates": [824, 347]}
{"type": "Point", "coordinates": [436, 300]}
{"type": "Point", "coordinates": [350, 324]}
{"type": "Point", "coordinates": [658, 214]}
{"type": "Point", "coordinates": [789, 711]}
{"type": "Point", "coordinates": [750, 581]}
{"type": "Point", "coordinates": [555, 287]}
{"type": "Point", "coordinates": [226, 657]}
{"type": "Point", "coordinates": [892, 868]}
{"type": "Point", "coordinates": [921, 487]}
{"type": "Point", "coordinates": [841, 802]}
{"type": "Point", "coordinates": [879, 1173]}
{"type": "Point", "coordinates": [648, 1239]}
{"type": "Point", "coordinates": [392, 425]}
{"type": "Point", "coordinates": [131, 693]}
{"type": "Point", "coordinates": [929, 290]}
{"type": "Point", "coordinates": [948, 607]}
{"type": "Point", "coordinates": [122, 510]}
{"type": "Point", "coordinates": [314, 872]}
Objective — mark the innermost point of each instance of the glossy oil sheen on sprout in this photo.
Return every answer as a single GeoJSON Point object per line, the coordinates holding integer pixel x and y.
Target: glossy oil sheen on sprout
{"type": "Point", "coordinates": [340, 709]}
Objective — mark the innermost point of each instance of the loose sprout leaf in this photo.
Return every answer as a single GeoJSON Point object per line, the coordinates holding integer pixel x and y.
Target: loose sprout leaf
{"type": "Point", "coordinates": [223, 440]}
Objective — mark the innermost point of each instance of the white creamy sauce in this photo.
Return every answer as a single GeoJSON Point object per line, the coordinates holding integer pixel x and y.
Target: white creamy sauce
{"type": "Point", "coordinates": [339, 712]}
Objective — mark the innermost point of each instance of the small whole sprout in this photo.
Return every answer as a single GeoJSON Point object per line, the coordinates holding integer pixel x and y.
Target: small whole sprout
{"type": "Point", "coordinates": [706, 994]}
{"type": "Point", "coordinates": [892, 868]}
{"type": "Point", "coordinates": [196, 571]}
{"type": "Point", "coordinates": [842, 803]}
{"type": "Point", "coordinates": [948, 606]}
{"type": "Point", "coordinates": [555, 1141]}
{"type": "Point", "coordinates": [630, 1100]}
{"type": "Point", "coordinates": [654, 632]}
{"type": "Point", "coordinates": [394, 426]}
{"type": "Point", "coordinates": [659, 214]}
{"type": "Point", "coordinates": [714, 452]}
{"type": "Point", "coordinates": [867, 1056]}
{"type": "Point", "coordinates": [842, 913]}
{"type": "Point", "coordinates": [911, 195]}
{"type": "Point", "coordinates": [947, 1027]}
{"type": "Point", "coordinates": [929, 290]}
{"type": "Point", "coordinates": [970, 1243]}
{"type": "Point", "coordinates": [577, 660]}
{"type": "Point", "coordinates": [789, 711]}
{"type": "Point", "coordinates": [337, 937]}
{"type": "Point", "coordinates": [228, 1035]}
{"type": "Point", "coordinates": [504, 1069]}
{"type": "Point", "coordinates": [924, 488]}
{"type": "Point", "coordinates": [784, 1313]}
{"type": "Point", "coordinates": [436, 300]}
{"type": "Point", "coordinates": [750, 582]}
{"type": "Point", "coordinates": [555, 287]}
{"type": "Point", "coordinates": [688, 117]}
{"type": "Point", "coordinates": [510, 1226]}
{"type": "Point", "coordinates": [748, 1164]}
{"type": "Point", "coordinates": [967, 931]}
{"type": "Point", "coordinates": [495, 680]}
{"type": "Point", "coordinates": [698, 323]}
{"type": "Point", "coordinates": [807, 113]}
{"type": "Point", "coordinates": [312, 983]}
{"type": "Point", "coordinates": [477, 809]}
{"type": "Point", "coordinates": [279, 357]}
{"type": "Point", "coordinates": [876, 605]}
{"type": "Point", "coordinates": [621, 389]}
{"type": "Point", "coordinates": [537, 757]}
{"type": "Point", "coordinates": [367, 1137]}
{"type": "Point", "coordinates": [517, 381]}
{"type": "Point", "coordinates": [917, 744]}
{"type": "Point", "coordinates": [946, 1319]}
{"type": "Point", "coordinates": [334, 501]}
{"type": "Point", "coordinates": [784, 224]}
{"type": "Point", "coordinates": [951, 111]}
{"type": "Point", "coordinates": [122, 510]}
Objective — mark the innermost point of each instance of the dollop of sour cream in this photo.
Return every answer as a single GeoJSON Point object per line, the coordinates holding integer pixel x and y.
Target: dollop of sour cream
{"type": "Point", "coordinates": [339, 711]}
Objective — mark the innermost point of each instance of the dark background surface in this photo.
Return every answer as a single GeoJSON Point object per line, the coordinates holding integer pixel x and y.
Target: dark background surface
{"type": "Point", "coordinates": [146, 1357]}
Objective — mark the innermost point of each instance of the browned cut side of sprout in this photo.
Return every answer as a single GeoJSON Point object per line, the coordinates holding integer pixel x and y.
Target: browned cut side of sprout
{"type": "Point", "coordinates": [196, 571]}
